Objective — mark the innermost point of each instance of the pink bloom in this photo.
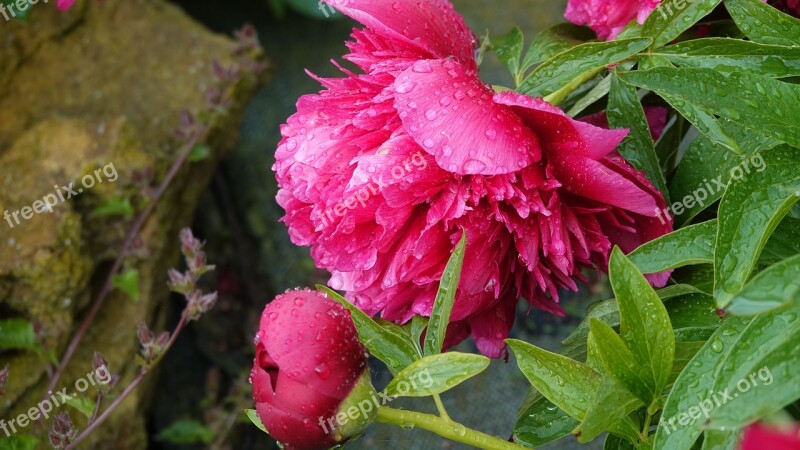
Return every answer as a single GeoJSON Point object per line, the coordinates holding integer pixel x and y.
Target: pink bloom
{"type": "Point", "coordinates": [64, 5]}
{"type": "Point", "coordinates": [380, 172]}
{"type": "Point", "coordinates": [308, 362]}
{"type": "Point", "coordinates": [608, 17]}
{"type": "Point", "coordinates": [759, 436]}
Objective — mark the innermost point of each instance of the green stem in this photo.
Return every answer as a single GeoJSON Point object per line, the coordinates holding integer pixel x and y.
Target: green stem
{"type": "Point", "coordinates": [646, 427]}
{"type": "Point", "coordinates": [440, 406]}
{"type": "Point", "coordinates": [558, 97]}
{"type": "Point", "coordinates": [443, 427]}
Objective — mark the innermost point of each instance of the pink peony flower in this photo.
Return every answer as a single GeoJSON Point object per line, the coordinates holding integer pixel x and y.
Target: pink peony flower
{"type": "Point", "coordinates": [791, 7]}
{"type": "Point", "coordinates": [64, 5]}
{"type": "Point", "coordinates": [759, 436]}
{"type": "Point", "coordinates": [380, 172]}
{"type": "Point", "coordinates": [608, 17]}
{"type": "Point", "coordinates": [309, 366]}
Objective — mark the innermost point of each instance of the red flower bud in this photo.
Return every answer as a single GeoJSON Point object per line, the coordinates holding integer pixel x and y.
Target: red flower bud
{"type": "Point", "coordinates": [309, 366]}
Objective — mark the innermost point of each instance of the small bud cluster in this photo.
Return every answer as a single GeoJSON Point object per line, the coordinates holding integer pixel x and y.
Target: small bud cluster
{"type": "Point", "coordinates": [3, 380]}
{"type": "Point", "coordinates": [63, 432]}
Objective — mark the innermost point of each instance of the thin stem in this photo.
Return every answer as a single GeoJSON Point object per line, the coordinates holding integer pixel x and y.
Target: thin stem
{"type": "Point", "coordinates": [130, 238]}
{"type": "Point", "coordinates": [136, 382]}
{"type": "Point", "coordinates": [445, 428]}
{"type": "Point", "coordinates": [558, 97]}
{"type": "Point", "coordinates": [646, 427]}
{"type": "Point", "coordinates": [440, 406]}
{"type": "Point", "coordinates": [96, 407]}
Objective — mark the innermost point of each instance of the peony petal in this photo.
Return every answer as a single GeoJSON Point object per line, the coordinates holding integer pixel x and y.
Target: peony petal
{"type": "Point", "coordinates": [560, 134]}
{"type": "Point", "coordinates": [593, 180]}
{"type": "Point", "coordinates": [450, 113]}
{"type": "Point", "coordinates": [432, 26]}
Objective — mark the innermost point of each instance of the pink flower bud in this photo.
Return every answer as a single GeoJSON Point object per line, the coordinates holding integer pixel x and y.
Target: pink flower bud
{"type": "Point", "coordinates": [309, 365]}
{"type": "Point", "coordinates": [759, 436]}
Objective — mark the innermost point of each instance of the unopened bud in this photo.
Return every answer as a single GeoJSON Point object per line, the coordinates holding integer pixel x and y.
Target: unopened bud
{"type": "Point", "coordinates": [144, 334]}
{"type": "Point", "coordinates": [179, 282]}
{"type": "Point", "coordinates": [63, 432]}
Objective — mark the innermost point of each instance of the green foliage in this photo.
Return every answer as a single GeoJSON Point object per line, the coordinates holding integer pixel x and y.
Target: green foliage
{"type": "Point", "coordinates": [17, 334]}
{"type": "Point", "coordinates": [445, 298]}
{"type": "Point", "coordinates": [114, 207]}
{"type": "Point", "coordinates": [19, 442]}
{"type": "Point", "coordinates": [394, 348]}
{"type": "Point", "coordinates": [185, 432]}
{"type": "Point", "coordinates": [435, 374]}
{"type": "Point", "coordinates": [128, 282]}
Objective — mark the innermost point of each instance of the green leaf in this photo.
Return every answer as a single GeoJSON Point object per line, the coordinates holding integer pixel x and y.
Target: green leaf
{"type": "Point", "coordinates": [688, 246]}
{"type": "Point", "coordinates": [672, 18]}
{"type": "Point", "coordinates": [542, 423]}
{"type": "Point", "coordinates": [418, 326]}
{"type": "Point", "coordinates": [608, 312]}
{"type": "Point", "coordinates": [253, 416]}
{"type": "Point", "coordinates": [17, 334]}
{"type": "Point", "coordinates": [114, 207]}
{"type": "Point", "coordinates": [555, 40]}
{"type": "Point", "coordinates": [445, 298]}
{"type": "Point", "coordinates": [435, 374]}
{"type": "Point", "coordinates": [610, 407]}
{"type": "Point", "coordinates": [704, 121]}
{"type": "Point", "coordinates": [599, 91]}
{"type": "Point", "coordinates": [750, 210]}
{"type": "Point", "coordinates": [613, 442]}
{"type": "Point", "coordinates": [648, 61]}
{"type": "Point", "coordinates": [19, 442]}
{"type": "Point", "coordinates": [705, 169]}
{"type": "Point", "coordinates": [128, 282]}
{"type": "Point", "coordinates": [771, 289]}
{"type": "Point", "coordinates": [720, 440]}
{"type": "Point", "coordinates": [740, 375]}
{"type": "Point", "coordinates": [766, 355]}
{"type": "Point", "coordinates": [84, 405]}
{"type": "Point", "coordinates": [569, 384]}
{"type": "Point", "coordinates": [644, 322]}
{"type": "Point", "coordinates": [199, 152]}
{"type": "Point", "coordinates": [186, 432]}
{"type": "Point", "coordinates": [621, 363]}
{"type": "Point", "coordinates": [626, 111]}
{"type": "Point", "coordinates": [763, 104]}
{"type": "Point", "coordinates": [561, 69]}
{"type": "Point", "coordinates": [508, 49]}
{"type": "Point", "coordinates": [783, 244]}
{"type": "Point", "coordinates": [395, 350]}
{"type": "Point", "coordinates": [733, 55]}
{"type": "Point", "coordinates": [764, 23]}
{"type": "Point", "coordinates": [693, 310]}
{"type": "Point", "coordinates": [692, 387]}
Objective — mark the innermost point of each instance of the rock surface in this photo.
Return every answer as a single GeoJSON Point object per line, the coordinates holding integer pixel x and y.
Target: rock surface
{"type": "Point", "coordinates": [102, 84]}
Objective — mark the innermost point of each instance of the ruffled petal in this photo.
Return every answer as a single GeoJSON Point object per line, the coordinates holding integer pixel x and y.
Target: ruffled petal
{"type": "Point", "coordinates": [450, 113]}
{"type": "Point", "coordinates": [433, 26]}
{"type": "Point", "coordinates": [560, 134]}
